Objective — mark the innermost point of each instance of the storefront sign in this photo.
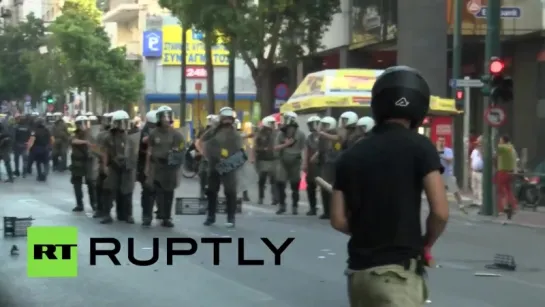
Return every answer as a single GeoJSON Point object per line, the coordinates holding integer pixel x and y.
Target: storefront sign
{"type": "Point", "coordinates": [196, 72]}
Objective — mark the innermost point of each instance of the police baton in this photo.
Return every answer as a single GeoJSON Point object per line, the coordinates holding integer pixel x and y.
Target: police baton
{"type": "Point", "coordinates": [324, 184]}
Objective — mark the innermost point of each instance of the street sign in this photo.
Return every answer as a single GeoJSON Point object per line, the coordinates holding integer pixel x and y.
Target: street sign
{"type": "Point", "coordinates": [198, 86]}
{"type": "Point", "coordinates": [281, 91]}
{"type": "Point", "coordinates": [466, 83]}
{"type": "Point", "coordinates": [507, 12]}
{"type": "Point", "coordinates": [495, 116]}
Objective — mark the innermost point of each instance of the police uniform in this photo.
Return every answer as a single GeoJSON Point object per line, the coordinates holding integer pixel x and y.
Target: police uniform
{"type": "Point", "coordinates": [222, 142]}
{"type": "Point", "coordinates": [147, 197]}
{"type": "Point", "coordinates": [5, 151]}
{"type": "Point", "coordinates": [288, 168]}
{"type": "Point", "coordinates": [20, 150]}
{"type": "Point", "coordinates": [203, 166]}
{"type": "Point", "coordinates": [60, 148]}
{"type": "Point", "coordinates": [329, 151]}
{"type": "Point", "coordinates": [381, 178]}
{"type": "Point", "coordinates": [265, 158]}
{"type": "Point", "coordinates": [164, 143]}
{"type": "Point", "coordinates": [84, 167]}
{"type": "Point", "coordinates": [121, 151]}
{"type": "Point", "coordinates": [313, 167]}
{"type": "Point", "coordinates": [39, 152]}
{"type": "Point", "coordinates": [100, 143]}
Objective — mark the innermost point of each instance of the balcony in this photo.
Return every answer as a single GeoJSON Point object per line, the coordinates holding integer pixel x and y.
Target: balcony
{"type": "Point", "coordinates": [121, 11]}
{"type": "Point", "coordinates": [133, 51]}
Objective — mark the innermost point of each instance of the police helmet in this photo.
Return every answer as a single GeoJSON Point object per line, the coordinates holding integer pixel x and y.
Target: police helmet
{"type": "Point", "coordinates": [348, 119]}
{"type": "Point", "coordinates": [289, 118]}
{"type": "Point", "coordinates": [237, 124]}
{"type": "Point", "coordinates": [89, 114]}
{"type": "Point", "coordinates": [120, 120]}
{"type": "Point", "coordinates": [211, 119]}
{"type": "Point", "coordinates": [48, 114]}
{"type": "Point", "coordinates": [366, 122]}
{"type": "Point", "coordinates": [81, 122]}
{"type": "Point", "coordinates": [328, 123]}
{"type": "Point", "coordinates": [227, 112]}
{"type": "Point", "coordinates": [400, 92]}
{"type": "Point", "coordinates": [35, 114]}
{"type": "Point", "coordinates": [313, 122]}
{"type": "Point", "coordinates": [269, 122]}
{"type": "Point", "coordinates": [151, 117]}
{"type": "Point", "coordinates": [165, 111]}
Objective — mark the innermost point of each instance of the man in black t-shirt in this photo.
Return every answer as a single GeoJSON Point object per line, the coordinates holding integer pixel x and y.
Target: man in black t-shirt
{"type": "Point", "coordinates": [377, 197]}
{"type": "Point", "coordinates": [39, 145]}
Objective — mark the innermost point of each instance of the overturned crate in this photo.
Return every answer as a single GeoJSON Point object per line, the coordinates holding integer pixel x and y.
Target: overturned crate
{"type": "Point", "coordinates": [199, 206]}
{"type": "Point", "coordinates": [16, 226]}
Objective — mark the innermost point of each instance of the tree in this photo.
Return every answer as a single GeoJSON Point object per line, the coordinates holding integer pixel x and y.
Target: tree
{"type": "Point", "coordinates": [204, 22]}
{"type": "Point", "coordinates": [92, 62]}
{"type": "Point", "coordinates": [15, 44]}
{"type": "Point", "coordinates": [123, 84]}
{"type": "Point", "coordinates": [259, 31]}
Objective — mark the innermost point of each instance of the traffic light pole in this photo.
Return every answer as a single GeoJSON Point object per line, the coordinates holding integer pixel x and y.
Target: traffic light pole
{"type": "Point", "coordinates": [492, 48]}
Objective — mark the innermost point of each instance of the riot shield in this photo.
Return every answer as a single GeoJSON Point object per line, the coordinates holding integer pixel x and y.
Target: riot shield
{"type": "Point", "coordinates": [131, 151]}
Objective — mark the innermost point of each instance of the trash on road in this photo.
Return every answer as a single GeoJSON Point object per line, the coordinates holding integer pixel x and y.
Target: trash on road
{"type": "Point", "coordinates": [503, 262]}
{"type": "Point", "coordinates": [486, 274]}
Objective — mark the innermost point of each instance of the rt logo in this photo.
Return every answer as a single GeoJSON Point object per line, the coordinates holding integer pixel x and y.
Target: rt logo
{"type": "Point", "coordinates": [52, 252]}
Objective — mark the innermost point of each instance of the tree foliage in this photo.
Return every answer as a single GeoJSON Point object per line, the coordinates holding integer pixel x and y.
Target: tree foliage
{"type": "Point", "coordinates": [16, 42]}
{"type": "Point", "coordinates": [262, 32]}
{"type": "Point", "coordinates": [92, 62]}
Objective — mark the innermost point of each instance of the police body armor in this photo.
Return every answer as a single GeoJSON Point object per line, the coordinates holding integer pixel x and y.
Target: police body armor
{"type": "Point", "coordinates": [264, 143]}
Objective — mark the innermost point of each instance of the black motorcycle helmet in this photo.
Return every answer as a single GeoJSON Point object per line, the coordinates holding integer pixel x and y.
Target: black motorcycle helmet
{"type": "Point", "coordinates": [400, 92]}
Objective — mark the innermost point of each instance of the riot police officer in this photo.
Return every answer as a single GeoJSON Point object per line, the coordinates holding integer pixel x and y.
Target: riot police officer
{"type": "Point", "coordinates": [84, 167]}
{"type": "Point", "coordinates": [39, 144]}
{"type": "Point", "coordinates": [22, 134]}
{"type": "Point", "coordinates": [147, 197]}
{"type": "Point", "coordinates": [5, 150]}
{"type": "Point", "coordinates": [310, 161]}
{"type": "Point", "coordinates": [328, 151]}
{"type": "Point", "coordinates": [238, 125]}
{"type": "Point", "coordinates": [364, 126]}
{"type": "Point", "coordinates": [221, 143]}
{"type": "Point", "coordinates": [100, 139]}
{"type": "Point", "coordinates": [60, 148]}
{"type": "Point", "coordinates": [289, 144]}
{"type": "Point", "coordinates": [346, 133]}
{"type": "Point", "coordinates": [265, 158]}
{"type": "Point", "coordinates": [211, 121]}
{"type": "Point", "coordinates": [165, 157]}
{"type": "Point", "coordinates": [119, 162]}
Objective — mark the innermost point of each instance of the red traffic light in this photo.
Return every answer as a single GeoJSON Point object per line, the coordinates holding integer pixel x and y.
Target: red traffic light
{"type": "Point", "coordinates": [496, 67]}
{"type": "Point", "coordinates": [459, 95]}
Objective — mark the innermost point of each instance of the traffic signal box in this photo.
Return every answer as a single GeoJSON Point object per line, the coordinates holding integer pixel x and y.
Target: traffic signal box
{"type": "Point", "coordinates": [497, 84]}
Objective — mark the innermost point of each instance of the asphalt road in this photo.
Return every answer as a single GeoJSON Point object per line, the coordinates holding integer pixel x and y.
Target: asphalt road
{"type": "Point", "coordinates": [311, 273]}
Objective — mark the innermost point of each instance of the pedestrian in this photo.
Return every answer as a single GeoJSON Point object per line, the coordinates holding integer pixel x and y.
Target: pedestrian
{"type": "Point", "coordinates": [265, 158]}
{"type": "Point", "coordinates": [310, 162]}
{"type": "Point", "coordinates": [446, 154]}
{"type": "Point", "coordinates": [39, 145]}
{"type": "Point", "coordinates": [83, 165]}
{"type": "Point", "coordinates": [222, 143]}
{"type": "Point", "coordinates": [377, 196]}
{"type": "Point", "coordinates": [476, 164]}
{"type": "Point", "coordinates": [147, 196]}
{"type": "Point", "coordinates": [289, 144]}
{"type": "Point", "coordinates": [506, 158]}
{"type": "Point", "coordinates": [165, 146]}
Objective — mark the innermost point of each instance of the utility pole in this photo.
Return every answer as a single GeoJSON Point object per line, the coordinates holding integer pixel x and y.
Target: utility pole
{"type": "Point", "coordinates": [231, 78]}
{"type": "Point", "coordinates": [457, 45]}
{"type": "Point", "coordinates": [492, 49]}
{"type": "Point", "coordinates": [183, 78]}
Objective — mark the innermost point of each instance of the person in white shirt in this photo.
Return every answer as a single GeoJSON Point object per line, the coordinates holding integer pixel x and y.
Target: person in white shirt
{"type": "Point", "coordinates": [476, 162]}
